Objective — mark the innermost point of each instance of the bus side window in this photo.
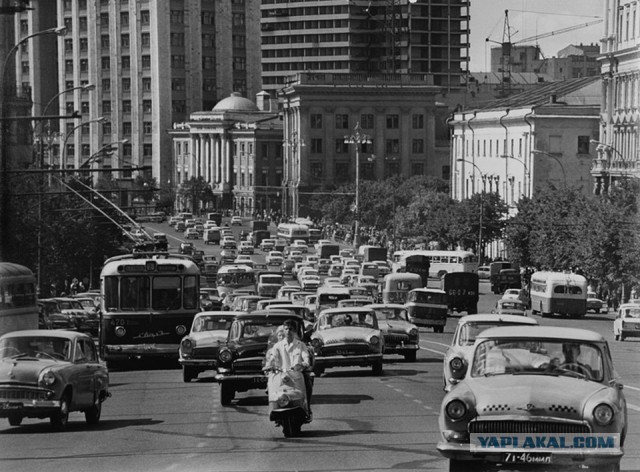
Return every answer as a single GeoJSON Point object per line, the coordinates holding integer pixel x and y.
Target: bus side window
{"type": "Point", "coordinates": [559, 289]}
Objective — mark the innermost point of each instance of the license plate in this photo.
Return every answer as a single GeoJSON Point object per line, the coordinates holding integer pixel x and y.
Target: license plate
{"type": "Point", "coordinates": [527, 458]}
{"type": "Point", "coordinates": [10, 405]}
{"type": "Point", "coordinates": [342, 352]}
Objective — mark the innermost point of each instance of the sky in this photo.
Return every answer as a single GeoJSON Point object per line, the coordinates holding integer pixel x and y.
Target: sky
{"type": "Point", "coordinates": [529, 18]}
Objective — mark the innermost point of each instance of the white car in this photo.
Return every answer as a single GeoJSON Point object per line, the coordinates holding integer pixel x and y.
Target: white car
{"type": "Point", "coordinates": [298, 245]}
{"type": "Point", "coordinates": [245, 247]}
{"type": "Point", "coordinates": [236, 220]}
{"type": "Point", "coordinates": [484, 272]}
{"type": "Point", "coordinates": [627, 322]}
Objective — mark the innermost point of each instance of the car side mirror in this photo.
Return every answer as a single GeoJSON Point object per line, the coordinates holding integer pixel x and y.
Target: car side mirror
{"type": "Point", "coordinates": [615, 383]}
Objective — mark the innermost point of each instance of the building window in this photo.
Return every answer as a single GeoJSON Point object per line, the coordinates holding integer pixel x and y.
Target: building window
{"type": "Point", "coordinates": [417, 121]}
{"type": "Point", "coordinates": [68, 66]}
{"type": "Point", "coordinates": [124, 18]}
{"type": "Point", "coordinates": [341, 171]}
{"type": "Point", "coordinates": [105, 62]}
{"type": "Point", "coordinates": [104, 20]}
{"type": "Point", "coordinates": [207, 17]}
{"type": "Point", "coordinates": [126, 128]}
{"type": "Point", "coordinates": [417, 168]}
{"type": "Point", "coordinates": [366, 121]}
{"type": "Point", "coordinates": [147, 127]}
{"type": "Point", "coordinates": [146, 61]}
{"type": "Point", "coordinates": [316, 170]}
{"type": "Point", "coordinates": [126, 106]}
{"type": "Point", "coordinates": [177, 39]}
{"type": "Point", "coordinates": [145, 17]}
{"type": "Point", "coordinates": [392, 146]}
{"type": "Point", "coordinates": [393, 121]}
{"type": "Point", "coordinates": [68, 45]}
{"type": "Point", "coordinates": [84, 106]}
{"type": "Point", "coordinates": [238, 19]}
{"type": "Point", "coordinates": [316, 145]}
{"type": "Point", "coordinates": [145, 39]}
{"type": "Point", "coordinates": [124, 41]}
{"type": "Point", "coordinates": [239, 63]}
{"type": "Point", "coordinates": [86, 149]}
{"type": "Point", "coordinates": [177, 16]}
{"type": "Point", "coordinates": [146, 84]}
{"type": "Point", "coordinates": [238, 40]}
{"type": "Point", "coordinates": [147, 106]}
{"type": "Point", "coordinates": [106, 85]}
{"type": "Point", "coordinates": [126, 84]}
{"type": "Point", "coordinates": [147, 150]}
{"type": "Point", "coordinates": [106, 128]}
{"type": "Point", "coordinates": [392, 168]}
{"type": "Point", "coordinates": [84, 44]}
{"type": "Point", "coordinates": [446, 173]}
{"type": "Point", "coordinates": [417, 146]}
{"type": "Point", "coordinates": [583, 144]}
{"type": "Point", "coordinates": [342, 121]}
{"type": "Point", "coordinates": [208, 63]}
{"type": "Point", "coordinates": [126, 63]}
{"type": "Point", "coordinates": [341, 146]}
{"type": "Point", "coordinates": [82, 23]}
{"type": "Point", "coordinates": [68, 23]}
{"type": "Point", "coordinates": [104, 41]}
{"type": "Point", "coordinates": [177, 61]}
{"type": "Point", "coordinates": [316, 121]}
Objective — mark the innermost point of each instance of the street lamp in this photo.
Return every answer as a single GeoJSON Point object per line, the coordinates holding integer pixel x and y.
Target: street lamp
{"type": "Point", "coordinates": [63, 155]}
{"type": "Point", "coordinates": [358, 138]}
{"type": "Point", "coordinates": [483, 176]}
{"type": "Point", "coordinates": [555, 158]}
{"type": "Point", "coordinates": [103, 150]}
{"type": "Point", "coordinates": [527, 173]}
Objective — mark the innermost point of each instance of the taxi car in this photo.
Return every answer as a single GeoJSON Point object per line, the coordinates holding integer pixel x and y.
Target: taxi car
{"type": "Point", "coordinates": [595, 304]}
{"type": "Point", "coordinates": [510, 306]}
{"type": "Point", "coordinates": [241, 359]}
{"type": "Point", "coordinates": [399, 334]}
{"type": "Point", "coordinates": [50, 374]}
{"type": "Point", "coordinates": [627, 321]}
{"type": "Point", "coordinates": [538, 381]}
{"type": "Point", "coordinates": [347, 337]}
{"type": "Point", "coordinates": [236, 220]}
{"type": "Point", "coordinates": [198, 350]}
{"type": "Point", "coordinates": [457, 354]}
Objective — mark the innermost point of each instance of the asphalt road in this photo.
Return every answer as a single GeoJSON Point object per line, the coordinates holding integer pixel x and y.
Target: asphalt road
{"type": "Point", "coordinates": [362, 422]}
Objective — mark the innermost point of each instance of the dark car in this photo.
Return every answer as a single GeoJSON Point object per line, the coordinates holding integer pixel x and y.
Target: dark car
{"type": "Point", "coordinates": [49, 374]}
{"type": "Point", "coordinates": [241, 359]}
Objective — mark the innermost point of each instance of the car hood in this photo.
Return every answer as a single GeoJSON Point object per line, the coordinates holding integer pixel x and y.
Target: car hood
{"type": "Point", "coordinates": [24, 370]}
{"type": "Point", "coordinates": [531, 395]}
{"type": "Point", "coordinates": [395, 326]}
{"type": "Point", "coordinates": [346, 334]}
{"type": "Point", "coordinates": [209, 338]}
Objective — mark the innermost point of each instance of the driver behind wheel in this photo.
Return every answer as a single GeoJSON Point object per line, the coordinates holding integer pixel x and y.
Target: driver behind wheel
{"type": "Point", "coordinates": [572, 361]}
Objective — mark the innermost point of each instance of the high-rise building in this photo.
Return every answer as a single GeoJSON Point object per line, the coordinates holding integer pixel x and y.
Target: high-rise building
{"type": "Point", "coordinates": [375, 36]}
{"type": "Point", "coordinates": [146, 65]}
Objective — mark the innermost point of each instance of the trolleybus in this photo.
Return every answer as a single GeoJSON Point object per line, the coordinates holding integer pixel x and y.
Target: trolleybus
{"type": "Point", "coordinates": [148, 304]}
{"type": "Point", "coordinates": [440, 262]}
{"type": "Point", "coordinates": [18, 308]}
{"type": "Point", "coordinates": [558, 292]}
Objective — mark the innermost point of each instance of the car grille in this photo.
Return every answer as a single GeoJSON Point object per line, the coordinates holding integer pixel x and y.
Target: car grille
{"type": "Point", "coordinates": [396, 338]}
{"type": "Point", "coordinates": [205, 352]}
{"type": "Point", "coordinates": [247, 366]}
{"type": "Point", "coordinates": [22, 394]}
{"type": "Point", "coordinates": [526, 427]}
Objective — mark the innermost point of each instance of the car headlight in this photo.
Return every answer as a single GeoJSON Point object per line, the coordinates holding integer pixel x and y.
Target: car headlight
{"type": "Point", "coordinates": [374, 340]}
{"type": "Point", "coordinates": [47, 378]}
{"type": "Point", "coordinates": [456, 409]}
{"type": "Point", "coordinates": [456, 363]}
{"type": "Point", "coordinates": [603, 414]}
{"type": "Point", "coordinates": [225, 356]}
{"type": "Point", "coordinates": [413, 332]}
{"type": "Point", "coordinates": [186, 345]}
{"type": "Point", "coordinates": [316, 343]}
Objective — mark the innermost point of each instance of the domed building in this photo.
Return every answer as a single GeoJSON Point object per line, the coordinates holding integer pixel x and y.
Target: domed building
{"type": "Point", "coordinates": [236, 148]}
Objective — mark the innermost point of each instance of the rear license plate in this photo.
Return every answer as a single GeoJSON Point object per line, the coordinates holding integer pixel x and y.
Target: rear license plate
{"type": "Point", "coordinates": [527, 458]}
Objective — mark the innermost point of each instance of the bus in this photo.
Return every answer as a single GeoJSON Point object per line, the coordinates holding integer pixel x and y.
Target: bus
{"type": "Point", "coordinates": [233, 277]}
{"type": "Point", "coordinates": [148, 304]}
{"type": "Point", "coordinates": [291, 231]}
{"type": "Point", "coordinates": [328, 297]}
{"type": "Point", "coordinates": [440, 262]}
{"type": "Point", "coordinates": [18, 308]}
{"type": "Point", "coordinates": [558, 292]}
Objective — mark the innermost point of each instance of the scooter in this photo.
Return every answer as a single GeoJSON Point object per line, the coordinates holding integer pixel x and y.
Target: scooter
{"type": "Point", "coordinates": [287, 403]}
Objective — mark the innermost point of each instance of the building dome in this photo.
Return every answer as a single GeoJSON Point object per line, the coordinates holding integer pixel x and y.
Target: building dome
{"type": "Point", "coordinates": [235, 102]}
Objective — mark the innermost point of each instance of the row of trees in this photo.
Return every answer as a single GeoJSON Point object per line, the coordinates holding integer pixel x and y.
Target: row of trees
{"type": "Point", "coordinates": [557, 229]}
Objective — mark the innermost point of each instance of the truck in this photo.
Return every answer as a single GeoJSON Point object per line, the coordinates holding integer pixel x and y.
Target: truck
{"type": "Point", "coordinates": [463, 291]}
{"type": "Point", "coordinates": [501, 281]}
{"type": "Point", "coordinates": [325, 251]}
{"type": "Point", "coordinates": [258, 225]}
{"type": "Point", "coordinates": [373, 253]}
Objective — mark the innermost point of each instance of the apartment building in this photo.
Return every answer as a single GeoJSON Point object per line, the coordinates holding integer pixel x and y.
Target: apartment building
{"type": "Point", "coordinates": [376, 36]}
{"type": "Point", "coordinates": [140, 65]}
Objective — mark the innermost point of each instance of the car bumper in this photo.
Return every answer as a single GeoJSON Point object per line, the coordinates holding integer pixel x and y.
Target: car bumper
{"type": "Point", "coordinates": [124, 351]}
{"type": "Point", "coordinates": [243, 382]}
{"type": "Point", "coordinates": [343, 361]}
{"type": "Point", "coordinates": [391, 349]}
{"type": "Point", "coordinates": [574, 457]}
{"type": "Point", "coordinates": [213, 363]}
{"type": "Point", "coordinates": [30, 402]}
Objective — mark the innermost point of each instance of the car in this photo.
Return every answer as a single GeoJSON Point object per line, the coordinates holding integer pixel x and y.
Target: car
{"type": "Point", "coordinates": [310, 282]}
{"type": "Point", "coordinates": [332, 282]}
{"type": "Point", "coordinates": [627, 321]}
{"type": "Point", "coordinates": [245, 248]}
{"type": "Point", "coordinates": [228, 255]}
{"type": "Point", "coordinates": [299, 245]}
{"type": "Point", "coordinates": [595, 304]}
{"type": "Point", "coordinates": [83, 319]}
{"type": "Point", "coordinates": [285, 290]}
{"type": "Point", "coordinates": [347, 337]}
{"type": "Point", "coordinates": [180, 227]}
{"type": "Point", "coordinates": [52, 317]}
{"type": "Point", "coordinates": [539, 381]}
{"type": "Point", "coordinates": [241, 357]}
{"type": "Point", "coordinates": [198, 350]}
{"type": "Point", "coordinates": [509, 306]}
{"type": "Point", "coordinates": [236, 220]}
{"type": "Point", "coordinates": [267, 245]}
{"type": "Point", "coordinates": [246, 303]}
{"type": "Point", "coordinates": [484, 272]}
{"type": "Point", "coordinates": [244, 259]}
{"type": "Point", "coordinates": [323, 266]}
{"type": "Point", "coordinates": [468, 327]}
{"type": "Point", "coordinates": [228, 242]}
{"type": "Point", "coordinates": [274, 258]}
{"type": "Point", "coordinates": [173, 220]}
{"type": "Point", "coordinates": [350, 302]}
{"type": "Point", "coordinates": [295, 256]}
{"type": "Point", "coordinates": [399, 334]}
{"type": "Point", "coordinates": [335, 270]}
{"type": "Point", "coordinates": [50, 374]}
{"type": "Point", "coordinates": [186, 248]}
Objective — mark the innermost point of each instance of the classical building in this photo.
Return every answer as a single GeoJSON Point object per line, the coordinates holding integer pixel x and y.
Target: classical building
{"type": "Point", "coordinates": [618, 144]}
{"type": "Point", "coordinates": [396, 118]}
{"type": "Point", "coordinates": [373, 36]}
{"type": "Point", "coordinates": [237, 149]}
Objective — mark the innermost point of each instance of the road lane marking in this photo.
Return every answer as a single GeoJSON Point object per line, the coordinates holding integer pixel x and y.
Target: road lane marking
{"type": "Point", "coordinates": [633, 407]}
{"type": "Point", "coordinates": [435, 342]}
{"type": "Point", "coordinates": [632, 388]}
{"type": "Point", "coordinates": [431, 350]}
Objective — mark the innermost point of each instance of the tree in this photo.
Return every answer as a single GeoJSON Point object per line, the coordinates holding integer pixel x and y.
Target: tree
{"type": "Point", "coordinates": [196, 190]}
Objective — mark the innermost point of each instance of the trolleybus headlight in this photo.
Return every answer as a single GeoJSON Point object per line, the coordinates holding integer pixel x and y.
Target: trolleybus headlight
{"type": "Point", "coordinates": [120, 331]}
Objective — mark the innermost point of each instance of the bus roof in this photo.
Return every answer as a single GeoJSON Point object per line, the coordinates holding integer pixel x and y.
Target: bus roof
{"type": "Point", "coordinates": [231, 268]}
{"type": "Point", "coordinates": [9, 269]}
{"type": "Point", "coordinates": [544, 276]}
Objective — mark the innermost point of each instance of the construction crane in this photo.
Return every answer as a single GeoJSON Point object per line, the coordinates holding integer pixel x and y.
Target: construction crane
{"type": "Point", "coordinates": [507, 45]}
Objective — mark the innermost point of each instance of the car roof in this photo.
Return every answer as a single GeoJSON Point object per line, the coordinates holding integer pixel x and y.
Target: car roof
{"type": "Point", "coordinates": [543, 332]}
{"type": "Point", "coordinates": [261, 314]}
{"type": "Point", "coordinates": [221, 314]}
{"type": "Point", "coordinates": [386, 305]}
{"type": "Point", "coordinates": [496, 316]}
{"type": "Point", "coordinates": [350, 309]}
{"type": "Point", "coordinates": [49, 333]}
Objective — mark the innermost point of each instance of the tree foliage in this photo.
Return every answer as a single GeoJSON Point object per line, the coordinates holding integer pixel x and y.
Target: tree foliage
{"type": "Point", "coordinates": [196, 190]}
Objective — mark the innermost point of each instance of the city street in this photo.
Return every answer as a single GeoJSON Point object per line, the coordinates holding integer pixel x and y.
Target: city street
{"type": "Point", "coordinates": [156, 422]}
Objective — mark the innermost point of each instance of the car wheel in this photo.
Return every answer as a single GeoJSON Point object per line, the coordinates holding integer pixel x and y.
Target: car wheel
{"type": "Point", "coordinates": [92, 415]}
{"type": "Point", "coordinates": [226, 394]}
{"type": "Point", "coordinates": [616, 337]}
{"type": "Point", "coordinates": [318, 371]}
{"type": "Point", "coordinates": [621, 337]}
{"type": "Point", "coordinates": [376, 368]}
{"type": "Point", "coordinates": [15, 420]}
{"type": "Point", "coordinates": [60, 418]}
{"type": "Point", "coordinates": [188, 374]}
{"type": "Point", "coordinates": [410, 356]}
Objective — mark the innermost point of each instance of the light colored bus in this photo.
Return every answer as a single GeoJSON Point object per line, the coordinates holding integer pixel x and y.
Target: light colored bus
{"type": "Point", "coordinates": [148, 305]}
{"type": "Point", "coordinates": [440, 262]}
{"type": "Point", "coordinates": [563, 293]}
{"type": "Point", "coordinates": [18, 308]}
{"type": "Point", "coordinates": [291, 231]}
{"type": "Point", "coordinates": [234, 276]}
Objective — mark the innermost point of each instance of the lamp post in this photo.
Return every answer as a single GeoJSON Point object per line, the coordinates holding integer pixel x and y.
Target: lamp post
{"type": "Point", "coordinates": [4, 165]}
{"type": "Point", "coordinates": [555, 158]}
{"type": "Point", "coordinates": [63, 155]}
{"type": "Point", "coordinates": [483, 176]}
{"type": "Point", "coordinates": [527, 173]}
{"type": "Point", "coordinates": [103, 150]}
{"type": "Point", "coordinates": [292, 168]}
{"type": "Point", "coordinates": [358, 138]}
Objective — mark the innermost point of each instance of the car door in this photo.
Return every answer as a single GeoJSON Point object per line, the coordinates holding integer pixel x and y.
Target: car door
{"type": "Point", "coordinates": [85, 367]}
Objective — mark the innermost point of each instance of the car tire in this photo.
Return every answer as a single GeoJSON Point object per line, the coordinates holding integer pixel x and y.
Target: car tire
{"type": "Point", "coordinates": [376, 368]}
{"type": "Point", "coordinates": [621, 337]}
{"type": "Point", "coordinates": [616, 337]}
{"type": "Point", "coordinates": [92, 415]}
{"type": "Point", "coordinates": [188, 374]}
{"type": "Point", "coordinates": [227, 393]}
{"type": "Point", "coordinates": [15, 420]}
{"type": "Point", "coordinates": [318, 371]}
{"type": "Point", "coordinates": [410, 356]}
{"type": "Point", "coordinates": [60, 418]}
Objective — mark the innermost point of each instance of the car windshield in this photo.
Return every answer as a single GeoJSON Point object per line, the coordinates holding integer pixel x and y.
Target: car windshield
{"type": "Point", "coordinates": [392, 314]}
{"type": "Point", "coordinates": [257, 330]}
{"type": "Point", "coordinates": [632, 313]}
{"type": "Point", "coordinates": [45, 347]}
{"type": "Point", "coordinates": [337, 320]}
{"type": "Point", "coordinates": [470, 330]}
{"type": "Point", "coordinates": [512, 305]}
{"type": "Point", "coordinates": [211, 323]}
{"type": "Point", "coordinates": [532, 356]}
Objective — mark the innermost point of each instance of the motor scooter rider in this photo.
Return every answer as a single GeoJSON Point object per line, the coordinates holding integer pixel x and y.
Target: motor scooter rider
{"type": "Point", "coordinates": [291, 354]}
